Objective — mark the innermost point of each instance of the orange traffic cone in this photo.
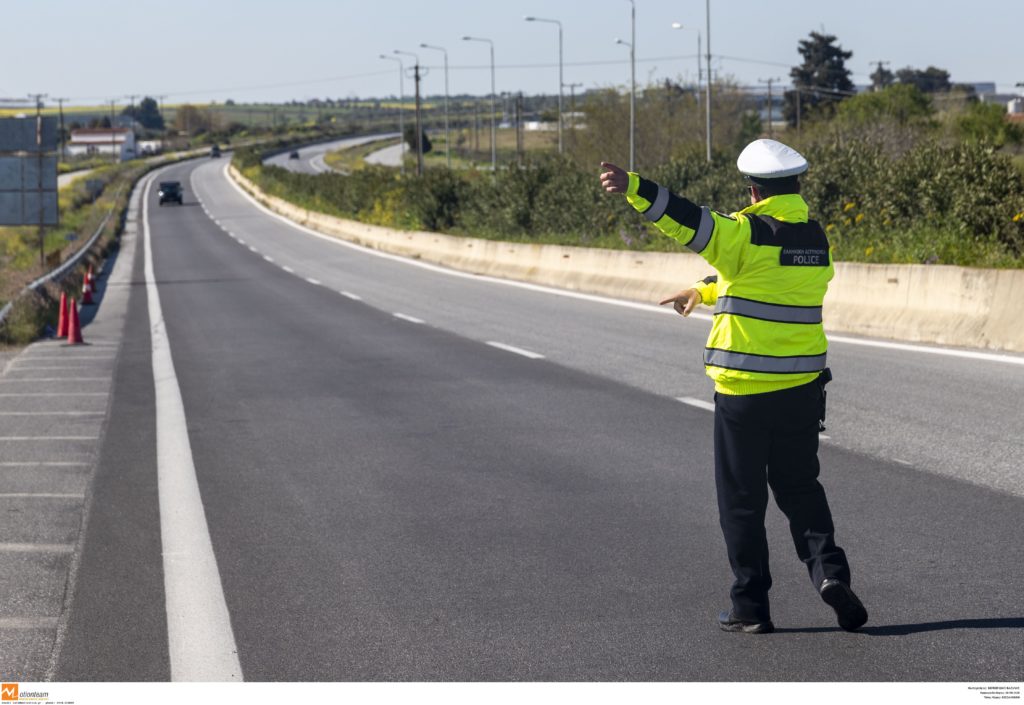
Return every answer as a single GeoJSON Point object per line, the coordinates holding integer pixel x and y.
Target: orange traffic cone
{"type": "Point", "coordinates": [74, 329]}
{"type": "Point", "coordinates": [86, 291]}
{"type": "Point", "coordinates": [62, 318]}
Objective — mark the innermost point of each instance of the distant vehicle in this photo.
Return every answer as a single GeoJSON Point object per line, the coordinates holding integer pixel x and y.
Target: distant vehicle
{"type": "Point", "coordinates": [293, 155]}
{"type": "Point", "coordinates": [214, 151]}
{"type": "Point", "coordinates": [170, 192]}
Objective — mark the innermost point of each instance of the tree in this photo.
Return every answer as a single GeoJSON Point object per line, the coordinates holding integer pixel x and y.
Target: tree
{"type": "Point", "coordinates": [822, 79]}
{"type": "Point", "coordinates": [931, 80]}
{"type": "Point", "coordinates": [901, 103]}
{"type": "Point", "coordinates": [410, 139]}
{"type": "Point", "coordinates": [986, 122]}
{"type": "Point", "coordinates": [146, 113]}
{"type": "Point", "coordinates": [882, 77]}
{"type": "Point", "coordinates": [194, 121]}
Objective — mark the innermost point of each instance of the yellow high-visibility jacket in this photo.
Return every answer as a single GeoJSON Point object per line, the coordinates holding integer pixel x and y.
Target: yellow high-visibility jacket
{"type": "Point", "coordinates": [774, 266]}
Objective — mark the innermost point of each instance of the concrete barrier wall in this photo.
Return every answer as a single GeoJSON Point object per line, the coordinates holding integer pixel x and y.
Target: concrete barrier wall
{"type": "Point", "coordinates": [978, 308]}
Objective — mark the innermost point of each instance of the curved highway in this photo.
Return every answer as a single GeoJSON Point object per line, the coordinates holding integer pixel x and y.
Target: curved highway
{"type": "Point", "coordinates": [311, 158]}
{"type": "Point", "coordinates": [405, 473]}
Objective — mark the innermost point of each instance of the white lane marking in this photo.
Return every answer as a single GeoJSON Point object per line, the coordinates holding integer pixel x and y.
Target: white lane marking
{"type": "Point", "coordinates": [253, 249]}
{"type": "Point", "coordinates": [43, 464]}
{"type": "Point", "coordinates": [406, 317]}
{"type": "Point", "coordinates": [39, 495]}
{"type": "Point", "coordinates": [36, 548]}
{"type": "Point", "coordinates": [201, 643]}
{"type": "Point", "coordinates": [349, 294]}
{"type": "Point", "coordinates": [908, 347]}
{"type": "Point", "coordinates": [699, 403]}
{"type": "Point", "coordinates": [240, 241]}
{"type": "Point", "coordinates": [513, 349]}
{"type": "Point", "coordinates": [314, 282]}
{"type": "Point", "coordinates": [28, 622]}
{"type": "Point", "coordinates": [268, 258]}
{"type": "Point", "coordinates": [287, 269]}
{"type": "Point", "coordinates": [902, 462]}
{"type": "Point", "coordinates": [650, 308]}
{"type": "Point", "coordinates": [49, 438]}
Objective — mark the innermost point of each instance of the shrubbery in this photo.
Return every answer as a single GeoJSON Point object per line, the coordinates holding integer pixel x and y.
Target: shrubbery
{"type": "Point", "coordinates": [960, 203]}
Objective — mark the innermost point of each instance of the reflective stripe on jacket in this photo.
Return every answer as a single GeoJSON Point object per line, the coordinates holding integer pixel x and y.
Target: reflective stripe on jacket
{"type": "Point", "coordinates": [774, 267]}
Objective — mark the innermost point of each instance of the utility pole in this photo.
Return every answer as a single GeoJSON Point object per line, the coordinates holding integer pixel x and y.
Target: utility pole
{"type": "Point", "coordinates": [38, 97]}
{"type": "Point", "coordinates": [770, 81]}
{"type": "Point", "coordinates": [113, 144]}
{"type": "Point", "coordinates": [519, 126]}
{"type": "Point", "coordinates": [60, 108]}
{"type": "Point", "coordinates": [878, 70]}
{"type": "Point", "coordinates": [419, 125]}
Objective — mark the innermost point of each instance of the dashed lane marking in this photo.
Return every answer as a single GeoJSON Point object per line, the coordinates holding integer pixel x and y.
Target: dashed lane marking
{"type": "Point", "coordinates": [287, 269]}
{"type": "Point", "coordinates": [314, 282]}
{"type": "Point", "coordinates": [513, 349]}
{"type": "Point", "coordinates": [406, 317]}
{"type": "Point", "coordinates": [699, 403]}
{"type": "Point", "coordinates": [350, 295]}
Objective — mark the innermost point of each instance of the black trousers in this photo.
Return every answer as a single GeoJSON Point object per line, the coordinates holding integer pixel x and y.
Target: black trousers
{"type": "Point", "coordinates": [771, 440]}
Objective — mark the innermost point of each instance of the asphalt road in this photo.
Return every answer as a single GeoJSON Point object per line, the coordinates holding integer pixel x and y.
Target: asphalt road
{"type": "Point", "coordinates": [311, 158]}
{"type": "Point", "coordinates": [390, 496]}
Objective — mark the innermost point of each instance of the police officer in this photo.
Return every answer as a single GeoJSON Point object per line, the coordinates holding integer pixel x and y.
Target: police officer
{"type": "Point", "coordinates": [766, 355]}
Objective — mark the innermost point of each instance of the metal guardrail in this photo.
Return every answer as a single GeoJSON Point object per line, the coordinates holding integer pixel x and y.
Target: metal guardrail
{"type": "Point", "coordinates": [59, 273]}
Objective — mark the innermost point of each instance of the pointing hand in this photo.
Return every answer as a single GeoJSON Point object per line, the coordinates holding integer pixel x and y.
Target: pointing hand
{"type": "Point", "coordinates": [614, 179]}
{"type": "Point", "coordinates": [684, 302]}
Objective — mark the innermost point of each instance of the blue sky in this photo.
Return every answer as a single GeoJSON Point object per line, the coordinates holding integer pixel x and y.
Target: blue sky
{"type": "Point", "coordinates": [200, 50]}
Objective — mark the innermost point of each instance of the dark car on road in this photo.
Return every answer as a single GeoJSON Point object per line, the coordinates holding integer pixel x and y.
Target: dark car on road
{"type": "Point", "coordinates": [170, 192]}
{"type": "Point", "coordinates": [293, 155]}
{"type": "Point", "coordinates": [214, 151]}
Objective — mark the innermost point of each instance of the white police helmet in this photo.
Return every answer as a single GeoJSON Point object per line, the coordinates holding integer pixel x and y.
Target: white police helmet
{"type": "Point", "coordinates": [768, 159]}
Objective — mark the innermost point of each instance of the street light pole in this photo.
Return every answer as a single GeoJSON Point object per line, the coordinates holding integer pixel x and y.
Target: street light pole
{"type": "Point", "coordinates": [419, 124]}
{"type": "Point", "coordinates": [707, 97]}
{"type": "Point", "coordinates": [447, 138]}
{"type": "Point", "coordinates": [494, 134]}
{"type": "Point", "coordinates": [561, 82]}
{"type": "Point", "coordinates": [401, 109]}
{"type": "Point", "coordinates": [632, 106]}
{"type": "Point", "coordinates": [677, 25]}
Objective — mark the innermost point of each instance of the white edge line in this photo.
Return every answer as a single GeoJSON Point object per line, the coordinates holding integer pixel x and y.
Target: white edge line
{"type": "Point", "coordinates": [350, 295]}
{"type": "Point", "coordinates": [201, 643]}
{"type": "Point", "coordinates": [268, 258]}
{"type": "Point", "coordinates": [39, 495]}
{"type": "Point", "coordinates": [287, 269]}
{"type": "Point", "coordinates": [314, 282]}
{"type": "Point", "coordinates": [513, 349]}
{"type": "Point", "coordinates": [407, 317]}
{"type": "Point", "coordinates": [650, 308]}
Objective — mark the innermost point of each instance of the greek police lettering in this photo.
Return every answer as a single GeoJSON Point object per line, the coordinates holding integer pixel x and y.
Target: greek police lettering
{"type": "Point", "coordinates": [798, 257]}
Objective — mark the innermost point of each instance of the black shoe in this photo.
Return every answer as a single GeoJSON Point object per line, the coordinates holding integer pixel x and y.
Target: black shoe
{"type": "Point", "coordinates": [849, 610]}
{"type": "Point", "coordinates": [728, 623]}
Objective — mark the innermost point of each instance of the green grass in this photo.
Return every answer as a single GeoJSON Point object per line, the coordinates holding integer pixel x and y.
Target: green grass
{"type": "Point", "coordinates": [353, 158]}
